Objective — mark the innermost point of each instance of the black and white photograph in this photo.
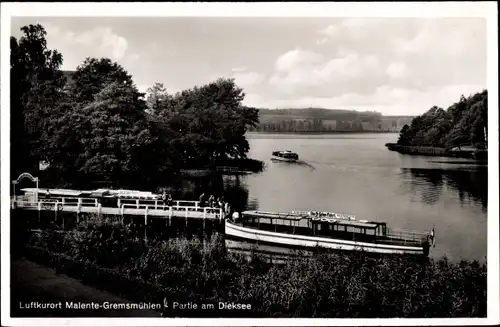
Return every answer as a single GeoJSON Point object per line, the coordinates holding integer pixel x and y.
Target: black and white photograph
{"type": "Point", "coordinates": [248, 160]}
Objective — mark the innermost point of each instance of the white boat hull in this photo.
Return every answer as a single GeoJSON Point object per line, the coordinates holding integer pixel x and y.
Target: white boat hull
{"type": "Point", "coordinates": [283, 159]}
{"type": "Point", "coordinates": [314, 241]}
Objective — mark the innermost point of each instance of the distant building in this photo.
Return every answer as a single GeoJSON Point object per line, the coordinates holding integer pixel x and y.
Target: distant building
{"type": "Point", "coordinates": [330, 123]}
{"type": "Point", "coordinates": [394, 123]}
{"type": "Point", "coordinates": [367, 126]}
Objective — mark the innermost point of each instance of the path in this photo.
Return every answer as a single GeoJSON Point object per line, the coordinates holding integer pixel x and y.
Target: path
{"type": "Point", "coordinates": [33, 282]}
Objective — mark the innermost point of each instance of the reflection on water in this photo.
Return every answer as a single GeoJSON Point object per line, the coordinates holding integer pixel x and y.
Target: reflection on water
{"type": "Point", "coordinates": [470, 186]}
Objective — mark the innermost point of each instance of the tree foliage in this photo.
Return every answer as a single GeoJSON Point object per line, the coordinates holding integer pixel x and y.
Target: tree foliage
{"type": "Point", "coordinates": [463, 123]}
{"type": "Point", "coordinates": [100, 127]}
{"type": "Point", "coordinates": [36, 88]}
{"type": "Point", "coordinates": [209, 122]}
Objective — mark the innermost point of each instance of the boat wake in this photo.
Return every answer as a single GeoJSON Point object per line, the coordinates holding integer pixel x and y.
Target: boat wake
{"type": "Point", "coordinates": [298, 162]}
{"type": "Point", "coordinates": [303, 163]}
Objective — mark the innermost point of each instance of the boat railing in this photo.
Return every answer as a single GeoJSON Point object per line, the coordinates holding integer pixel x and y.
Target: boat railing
{"type": "Point", "coordinates": [406, 235]}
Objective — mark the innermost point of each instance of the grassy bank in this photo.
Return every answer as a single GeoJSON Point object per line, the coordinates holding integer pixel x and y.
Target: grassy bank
{"type": "Point", "coordinates": [333, 285]}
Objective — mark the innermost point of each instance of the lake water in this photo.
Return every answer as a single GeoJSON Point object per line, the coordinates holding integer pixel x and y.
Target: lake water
{"type": "Point", "coordinates": [356, 174]}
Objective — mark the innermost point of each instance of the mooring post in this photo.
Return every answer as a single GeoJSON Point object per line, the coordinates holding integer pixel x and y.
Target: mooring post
{"type": "Point", "coordinates": [56, 204]}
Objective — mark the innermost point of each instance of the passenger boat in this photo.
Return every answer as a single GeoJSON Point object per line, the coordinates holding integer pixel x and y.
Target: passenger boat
{"type": "Point", "coordinates": [286, 155]}
{"type": "Point", "coordinates": [326, 230]}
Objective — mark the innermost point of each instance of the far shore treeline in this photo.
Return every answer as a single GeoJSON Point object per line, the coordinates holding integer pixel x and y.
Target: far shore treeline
{"type": "Point", "coordinates": [99, 127]}
{"type": "Point", "coordinates": [464, 123]}
{"type": "Point", "coordinates": [320, 120]}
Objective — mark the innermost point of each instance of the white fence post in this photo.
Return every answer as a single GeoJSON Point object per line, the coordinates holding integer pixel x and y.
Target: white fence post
{"type": "Point", "coordinates": [146, 216]}
{"type": "Point", "coordinates": [205, 213]}
{"type": "Point", "coordinates": [119, 203]}
{"type": "Point", "coordinates": [99, 209]}
{"type": "Point", "coordinates": [137, 203]}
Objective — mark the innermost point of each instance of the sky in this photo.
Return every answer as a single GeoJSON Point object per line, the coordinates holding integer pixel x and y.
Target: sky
{"type": "Point", "coordinates": [396, 66]}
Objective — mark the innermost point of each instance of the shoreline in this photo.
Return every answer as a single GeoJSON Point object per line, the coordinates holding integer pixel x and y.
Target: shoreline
{"type": "Point", "coordinates": [323, 132]}
{"type": "Point", "coordinates": [479, 155]}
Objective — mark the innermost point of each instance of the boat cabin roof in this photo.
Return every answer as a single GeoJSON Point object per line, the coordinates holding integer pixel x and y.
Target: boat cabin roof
{"type": "Point", "coordinates": [361, 224]}
{"type": "Point", "coordinates": [284, 152]}
{"type": "Point", "coordinates": [315, 220]}
{"type": "Point", "coordinates": [60, 192]}
{"type": "Point", "coordinates": [104, 193]}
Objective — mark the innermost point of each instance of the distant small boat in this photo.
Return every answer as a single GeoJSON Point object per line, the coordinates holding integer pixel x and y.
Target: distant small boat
{"type": "Point", "coordinates": [286, 155]}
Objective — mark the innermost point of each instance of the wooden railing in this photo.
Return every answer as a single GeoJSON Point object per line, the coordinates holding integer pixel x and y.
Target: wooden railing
{"type": "Point", "coordinates": [58, 203]}
{"type": "Point", "coordinates": [156, 203]}
{"type": "Point", "coordinates": [186, 209]}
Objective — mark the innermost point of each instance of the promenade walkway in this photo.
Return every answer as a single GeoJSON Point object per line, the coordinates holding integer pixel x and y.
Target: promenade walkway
{"type": "Point", "coordinates": [31, 282]}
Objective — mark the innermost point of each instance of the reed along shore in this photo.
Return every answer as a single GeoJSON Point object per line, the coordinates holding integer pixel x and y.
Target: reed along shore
{"type": "Point", "coordinates": [348, 285]}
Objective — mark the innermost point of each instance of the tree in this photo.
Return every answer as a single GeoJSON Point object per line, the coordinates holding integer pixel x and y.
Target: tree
{"type": "Point", "coordinates": [93, 75]}
{"type": "Point", "coordinates": [157, 99]}
{"type": "Point", "coordinates": [106, 139]}
{"type": "Point", "coordinates": [404, 137]}
{"type": "Point", "coordinates": [36, 89]}
{"type": "Point", "coordinates": [463, 122]}
{"type": "Point", "coordinates": [211, 122]}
